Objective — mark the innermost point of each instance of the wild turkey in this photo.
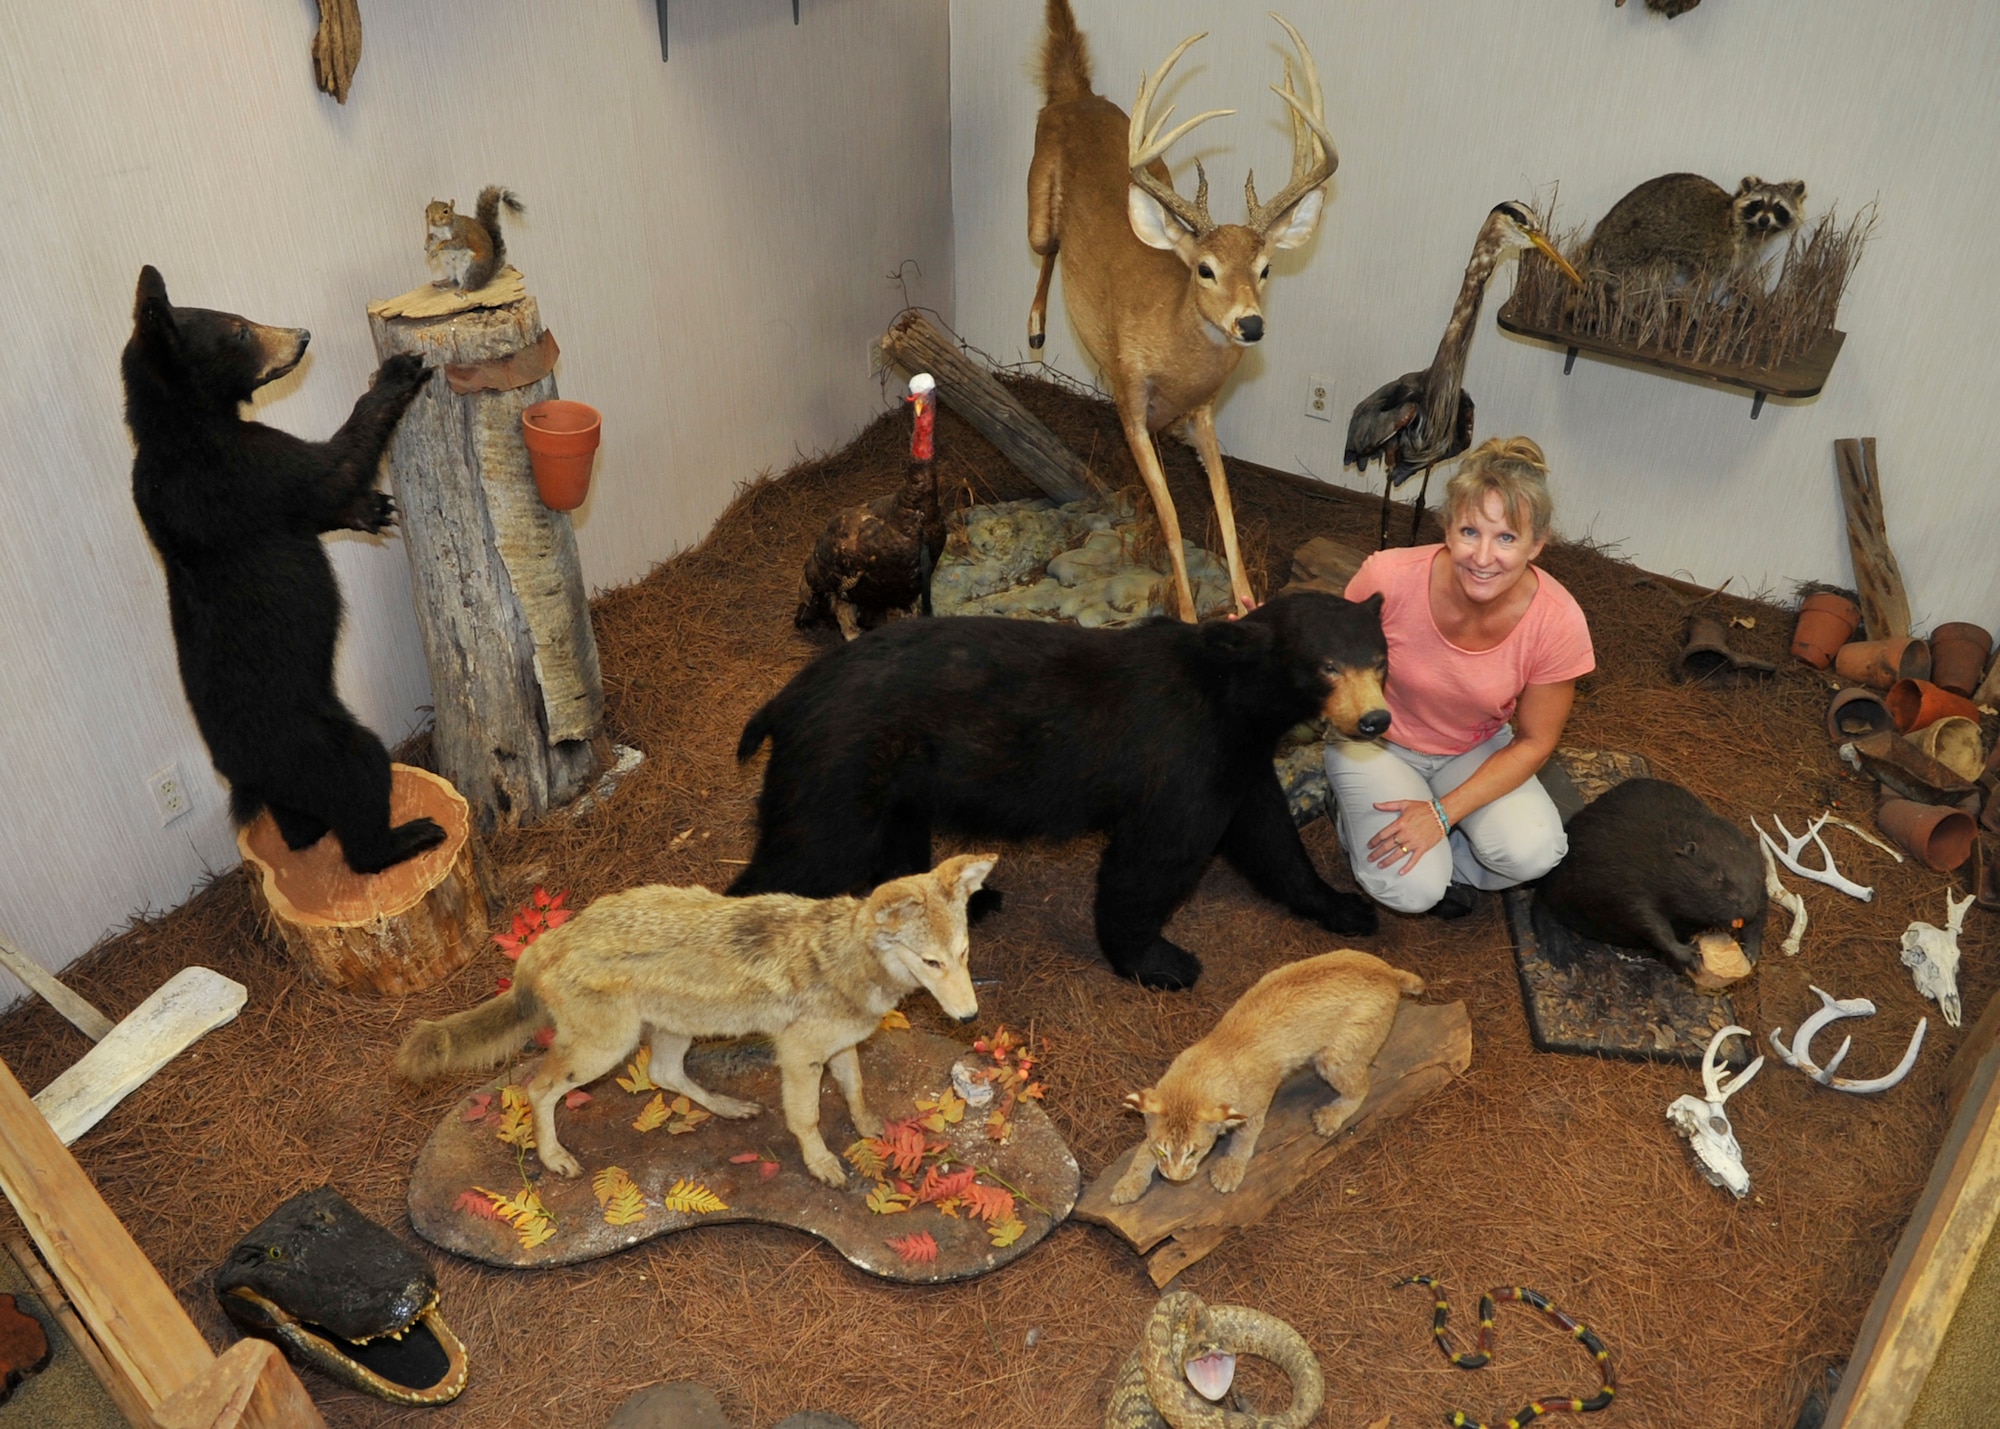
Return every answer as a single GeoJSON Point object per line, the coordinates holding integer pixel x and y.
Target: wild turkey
{"type": "Point", "coordinates": [874, 562]}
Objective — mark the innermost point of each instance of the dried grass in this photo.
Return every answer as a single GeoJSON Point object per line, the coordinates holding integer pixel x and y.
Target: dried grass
{"type": "Point", "coordinates": [1555, 1172]}
{"type": "Point", "coordinates": [1716, 319]}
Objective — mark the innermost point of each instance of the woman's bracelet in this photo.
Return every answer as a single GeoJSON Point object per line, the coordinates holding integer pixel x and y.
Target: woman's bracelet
{"type": "Point", "coordinates": [1444, 822]}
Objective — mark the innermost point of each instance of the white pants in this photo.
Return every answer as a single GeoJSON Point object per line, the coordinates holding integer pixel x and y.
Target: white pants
{"type": "Point", "coordinates": [1517, 837]}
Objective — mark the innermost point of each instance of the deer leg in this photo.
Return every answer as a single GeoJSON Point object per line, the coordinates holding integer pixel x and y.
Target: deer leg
{"type": "Point", "coordinates": [1038, 312]}
{"type": "Point", "coordinates": [1133, 414]}
{"type": "Point", "coordinates": [1201, 424]}
{"type": "Point", "coordinates": [1417, 511]}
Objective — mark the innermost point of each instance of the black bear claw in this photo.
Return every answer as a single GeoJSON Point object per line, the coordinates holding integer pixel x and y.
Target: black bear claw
{"type": "Point", "coordinates": [375, 513]}
{"type": "Point", "coordinates": [1163, 967]}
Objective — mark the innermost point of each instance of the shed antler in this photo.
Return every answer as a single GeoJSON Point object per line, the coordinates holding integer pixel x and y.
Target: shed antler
{"type": "Point", "coordinates": [1314, 157]}
{"type": "Point", "coordinates": [1143, 145]}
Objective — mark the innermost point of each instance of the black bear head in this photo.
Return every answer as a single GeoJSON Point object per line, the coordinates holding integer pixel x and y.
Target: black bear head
{"type": "Point", "coordinates": [207, 356]}
{"type": "Point", "coordinates": [1333, 654]}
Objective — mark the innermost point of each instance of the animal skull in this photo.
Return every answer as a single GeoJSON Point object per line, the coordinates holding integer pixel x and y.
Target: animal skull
{"type": "Point", "coordinates": [1706, 1126]}
{"type": "Point", "coordinates": [1799, 1054]}
{"type": "Point", "coordinates": [1931, 953]}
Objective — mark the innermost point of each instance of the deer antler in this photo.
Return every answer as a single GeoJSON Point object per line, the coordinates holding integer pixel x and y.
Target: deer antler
{"type": "Point", "coordinates": [1144, 145]}
{"type": "Point", "coordinates": [1314, 157]}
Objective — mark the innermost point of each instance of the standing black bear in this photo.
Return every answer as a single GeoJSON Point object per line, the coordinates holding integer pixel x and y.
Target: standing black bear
{"type": "Point", "coordinates": [1160, 736]}
{"type": "Point", "coordinates": [235, 510]}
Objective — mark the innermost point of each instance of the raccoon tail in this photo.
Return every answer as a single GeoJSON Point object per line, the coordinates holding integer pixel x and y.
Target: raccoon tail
{"type": "Point", "coordinates": [475, 1038]}
{"type": "Point", "coordinates": [1065, 56]}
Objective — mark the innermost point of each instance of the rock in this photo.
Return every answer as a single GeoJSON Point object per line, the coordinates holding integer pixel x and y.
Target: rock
{"type": "Point", "coordinates": [681, 1405]}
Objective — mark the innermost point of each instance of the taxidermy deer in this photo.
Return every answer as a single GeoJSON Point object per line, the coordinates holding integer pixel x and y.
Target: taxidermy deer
{"type": "Point", "coordinates": [1163, 298]}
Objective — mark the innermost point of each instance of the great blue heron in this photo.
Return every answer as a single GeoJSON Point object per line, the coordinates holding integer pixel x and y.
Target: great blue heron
{"type": "Point", "coordinates": [1425, 417]}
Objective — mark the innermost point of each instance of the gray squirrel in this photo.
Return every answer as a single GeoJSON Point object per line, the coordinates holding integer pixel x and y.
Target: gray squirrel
{"type": "Point", "coordinates": [470, 250]}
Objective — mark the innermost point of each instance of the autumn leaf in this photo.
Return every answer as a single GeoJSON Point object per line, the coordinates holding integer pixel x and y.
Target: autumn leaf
{"type": "Point", "coordinates": [619, 1195]}
{"type": "Point", "coordinates": [902, 1144]}
{"type": "Point", "coordinates": [1006, 1232]}
{"type": "Point", "coordinates": [989, 1203]}
{"type": "Point", "coordinates": [535, 1232]}
{"type": "Point", "coordinates": [918, 1249]}
{"type": "Point", "coordinates": [744, 1158]}
{"type": "Point", "coordinates": [576, 1098]}
{"type": "Point", "coordinates": [950, 1206]}
{"type": "Point", "coordinates": [691, 1197]}
{"type": "Point", "coordinates": [638, 1073]}
{"type": "Point", "coordinates": [655, 1115]}
{"type": "Point", "coordinates": [475, 1203]}
{"type": "Point", "coordinates": [865, 1156]}
{"type": "Point", "coordinates": [885, 1201]}
{"type": "Point", "coordinates": [1033, 1090]}
{"type": "Point", "coordinates": [997, 1128]}
{"type": "Point", "coordinates": [681, 1105]}
{"type": "Point", "coordinates": [946, 1109]}
{"type": "Point", "coordinates": [501, 984]}
{"type": "Point", "coordinates": [767, 1169]}
{"type": "Point", "coordinates": [936, 1187]}
{"type": "Point", "coordinates": [894, 1021]}
{"type": "Point", "coordinates": [517, 1119]}
{"type": "Point", "coordinates": [545, 1036]}
{"type": "Point", "coordinates": [477, 1105]}
{"type": "Point", "coordinates": [531, 1220]}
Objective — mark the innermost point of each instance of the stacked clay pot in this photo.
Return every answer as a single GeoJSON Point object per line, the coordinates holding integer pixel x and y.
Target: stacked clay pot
{"type": "Point", "coordinates": [1958, 655]}
{"type": "Point", "coordinates": [1878, 664]}
{"type": "Point", "coordinates": [1917, 704]}
{"type": "Point", "coordinates": [1827, 621]}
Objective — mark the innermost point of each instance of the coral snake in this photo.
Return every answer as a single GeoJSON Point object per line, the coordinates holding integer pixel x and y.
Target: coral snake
{"type": "Point", "coordinates": [1482, 1352]}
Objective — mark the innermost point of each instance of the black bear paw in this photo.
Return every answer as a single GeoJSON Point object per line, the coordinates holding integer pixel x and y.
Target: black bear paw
{"type": "Point", "coordinates": [1348, 914]}
{"type": "Point", "coordinates": [1163, 967]}
{"type": "Point", "coordinates": [404, 841]}
{"type": "Point", "coordinates": [374, 513]}
{"type": "Point", "coordinates": [983, 902]}
{"type": "Point", "coordinates": [405, 370]}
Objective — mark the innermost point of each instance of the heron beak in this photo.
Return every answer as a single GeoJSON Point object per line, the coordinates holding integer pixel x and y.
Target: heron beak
{"type": "Point", "coordinates": [1556, 258]}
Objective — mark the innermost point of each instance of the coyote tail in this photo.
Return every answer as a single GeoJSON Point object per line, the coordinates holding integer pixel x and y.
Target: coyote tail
{"type": "Point", "coordinates": [475, 1038]}
{"type": "Point", "coordinates": [1065, 57]}
{"type": "Point", "coordinates": [1413, 986]}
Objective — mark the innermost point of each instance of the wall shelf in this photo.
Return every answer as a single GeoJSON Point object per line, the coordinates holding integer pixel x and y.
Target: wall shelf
{"type": "Point", "coordinates": [661, 6]}
{"type": "Point", "coordinates": [1802, 376]}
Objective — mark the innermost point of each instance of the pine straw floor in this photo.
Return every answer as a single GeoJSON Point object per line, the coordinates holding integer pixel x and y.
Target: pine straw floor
{"type": "Point", "coordinates": [1550, 1171]}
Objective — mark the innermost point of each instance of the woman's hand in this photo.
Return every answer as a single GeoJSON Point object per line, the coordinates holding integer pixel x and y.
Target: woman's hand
{"type": "Point", "coordinates": [1411, 835]}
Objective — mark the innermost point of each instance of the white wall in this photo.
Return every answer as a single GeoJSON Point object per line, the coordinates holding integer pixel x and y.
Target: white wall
{"type": "Point", "coordinates": [708, 239]}
{"type": "Point", "coordinates": [1441, 109]}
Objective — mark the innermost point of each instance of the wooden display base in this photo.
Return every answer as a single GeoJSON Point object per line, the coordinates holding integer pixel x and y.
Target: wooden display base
{"type": "Point", "coordinates": [897, 1068]}
{"type": "Point", "coordinates": [1802, 376]}
{"type": "Point", "coordinates": [1427, 1047]}
{"type": "Point", "coordinates": [392, 932]}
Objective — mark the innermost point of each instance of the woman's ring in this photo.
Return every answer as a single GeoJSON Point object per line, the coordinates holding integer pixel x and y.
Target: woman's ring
{"type": "Point", "coordinates": [1402, 848]}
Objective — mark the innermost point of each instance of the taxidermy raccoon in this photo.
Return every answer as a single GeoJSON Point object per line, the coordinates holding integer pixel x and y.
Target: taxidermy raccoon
{"type": "Point", "coordinates": [1678, 224]}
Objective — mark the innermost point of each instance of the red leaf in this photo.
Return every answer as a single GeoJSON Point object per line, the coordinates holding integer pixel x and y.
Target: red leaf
{"type": "Point", "coordinates": [541, 899]}
{"type": "Point", "coordinates": [557, 902]}
{"type": "Point", "coordinates": [474, 1204]}
{"type": "Point", "coordinates": [938, 1188]}
{"type": "Point", "coordinates": [575, 1099]}
{"type": "Point", "coordinates": [918, 1249]}
{"type": "Point", "coordinates": [501, 984]}
{"type": "Point", "coordinates": [557, 917]}
{"type": "Point", "coordinates": [767, 1169]}
{"type": "Point", "coordinates": [477, 1106]}
{"type": "Point", "coordinates": [745, 1158]}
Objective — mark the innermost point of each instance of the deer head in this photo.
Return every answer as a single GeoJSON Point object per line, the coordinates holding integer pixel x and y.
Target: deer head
{"type": "Point", "coordinates": [1228, 263]}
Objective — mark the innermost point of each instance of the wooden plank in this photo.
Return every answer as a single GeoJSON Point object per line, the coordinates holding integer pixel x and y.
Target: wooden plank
{"type": "Point", "coordinates": [122, 1392]}
{"type": "Point", "coordinates": [43, 984]}
{"type": "Point", "coordinates": [1913, 1306]}
{"type": "Point", "coordinates": [248, 1387]}
{"type": "Point", "coordinates": [1885, 609]}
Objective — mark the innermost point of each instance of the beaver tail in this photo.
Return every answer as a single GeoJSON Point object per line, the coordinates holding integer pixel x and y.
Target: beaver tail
{"type": "Point", "coordinates": [469, 1040]}
{"type": "Point", "coordinates": [1065, 57]}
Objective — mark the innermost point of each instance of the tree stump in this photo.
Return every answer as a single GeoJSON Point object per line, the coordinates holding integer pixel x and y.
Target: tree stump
{"type": "Point", "coordinates": [499, 590]}
{"type": "Point", "coordinates": [392, 932]}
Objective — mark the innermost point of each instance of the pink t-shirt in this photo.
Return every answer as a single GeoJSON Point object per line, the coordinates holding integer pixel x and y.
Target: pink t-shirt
{"type": "Point", "coordinates": [1444, 700]}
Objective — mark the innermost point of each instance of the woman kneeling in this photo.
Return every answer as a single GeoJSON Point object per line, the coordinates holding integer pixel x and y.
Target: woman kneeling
{"type": "Point", "coordinates": [1447, 803]}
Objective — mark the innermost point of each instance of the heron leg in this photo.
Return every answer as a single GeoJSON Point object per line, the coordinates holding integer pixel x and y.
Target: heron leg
{"type": "Point", "coordinates": [1417, 512]}
{"type": "Point", "coordinates": [1388, 484]}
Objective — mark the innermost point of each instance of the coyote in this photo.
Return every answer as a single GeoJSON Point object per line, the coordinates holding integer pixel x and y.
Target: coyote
{"type": "Point", "coordinates": [814, 975]}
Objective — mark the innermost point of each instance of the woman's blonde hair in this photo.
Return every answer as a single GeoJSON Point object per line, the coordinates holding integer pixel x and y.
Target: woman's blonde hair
{"type": "Point", "coordinates": [1515, 468]}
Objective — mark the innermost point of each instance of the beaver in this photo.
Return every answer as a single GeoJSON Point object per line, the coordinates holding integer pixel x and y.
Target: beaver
{"type": "Point", "coordinates": [1650, 867]}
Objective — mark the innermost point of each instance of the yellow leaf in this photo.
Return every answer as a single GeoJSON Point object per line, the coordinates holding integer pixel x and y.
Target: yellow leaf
{"type": "Point", "coordinates": [894, 1021]}
{"type": "Point", "coordinates": [517, 1119]}
{"type": "Point", "coordinates": [626, 1209]}
{"type": "Point", "coordinates": [654, 1116]}
{"type": "Point", "coordinates": [949, 1206]}
{"type": "Point", "coordinates": [1006, 1232]}
{"type": "Point", "coordinates": [886, 1201]}
{"type": "Point", "coordinates": [638, 1079]}
{"type": "Point", "coordinates": [951, 1107]}
{"type": "Point", "coordinates": [608, 1183]}
{"type": "Point", "coordinates": [530, 1219]}
{"type": "Point", "coordinates": [691, 1197]}
{"type": "Point", "coordinates": [681, 1105]}
{"type": "Point", "coordinates": [536, 1232]}
{"type": "Point", "coordinates": [863, 1157]}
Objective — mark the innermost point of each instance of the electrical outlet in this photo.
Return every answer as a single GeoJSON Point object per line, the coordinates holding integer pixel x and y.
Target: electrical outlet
{"type": "Point", "coordinates": [1319, 398]}
{"type": "Point", "coordinates": [170, 795]}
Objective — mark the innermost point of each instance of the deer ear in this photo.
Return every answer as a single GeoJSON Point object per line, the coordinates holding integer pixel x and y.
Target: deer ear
{"type": "Point", "coordinates": [1298, 224]}
{"type": "Point", "coordinates": [1154, 226]}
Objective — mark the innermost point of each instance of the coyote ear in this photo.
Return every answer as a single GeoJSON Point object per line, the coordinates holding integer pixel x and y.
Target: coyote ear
{"type": "Point", "coordinates": [965, 874]}
{"type": "Point", "coordinates": [891, 902]}
{"type": "Point", "coordinates": [1228, 1115]}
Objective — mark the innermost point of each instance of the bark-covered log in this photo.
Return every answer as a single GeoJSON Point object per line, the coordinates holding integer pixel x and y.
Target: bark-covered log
{"type": "Point", "coordinates": [1885, 609]}
{"type": "Point", "coordinates": [976, 395]}
{"type": "Point", "coordinates": [499, 590]}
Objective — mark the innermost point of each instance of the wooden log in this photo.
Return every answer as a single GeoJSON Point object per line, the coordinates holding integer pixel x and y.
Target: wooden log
{"type": "Point", "coordinates": [976, 395]}
{"type": "Point", "coordinates": [392, 932]}
{"type": "Point", "coordinates": [1427, 1047]}
{"type": "Point", "coordinates": [121, 1392]}
{"type": "Point", "coordinates": [1885, 609]}
{"type": "Point", "coordinates": [499, 589]}
{"type": "Point", "coordinates": [146, 1340]}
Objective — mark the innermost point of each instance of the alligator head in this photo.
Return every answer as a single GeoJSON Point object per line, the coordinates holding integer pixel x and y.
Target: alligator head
{"type": "Point", "coordinates": [341, 1294]}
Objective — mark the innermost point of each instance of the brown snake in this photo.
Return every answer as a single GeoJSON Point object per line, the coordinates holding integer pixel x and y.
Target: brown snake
{"type": "Point", "coordinates": [1153, 1392]}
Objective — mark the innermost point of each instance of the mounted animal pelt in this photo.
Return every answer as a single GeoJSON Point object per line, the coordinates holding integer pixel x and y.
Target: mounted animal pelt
{"type": "Point", "coordinates": [1163, 298]}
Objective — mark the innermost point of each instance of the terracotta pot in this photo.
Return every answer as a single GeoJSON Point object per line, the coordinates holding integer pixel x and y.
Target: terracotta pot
{"type": "Point", "coordinates": [1991, 818]}
{"type": "Point", "coordinates": [1953, 742]}
{"type": "Point", "coordinates": [1878, 664]}
{"type": "Point", "coordinates": [1938, 837]}
{"type": "Point", "coordinates": [1958, 656]}
{"type": "Point", "coordinates": [1917, 703]}
{"type": "Point", "coordinates": [1826, 622]}
{"type": "Point", "coordinates": [562, 443]}
{"type": "Point", "coordinates": [1856, 713]}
